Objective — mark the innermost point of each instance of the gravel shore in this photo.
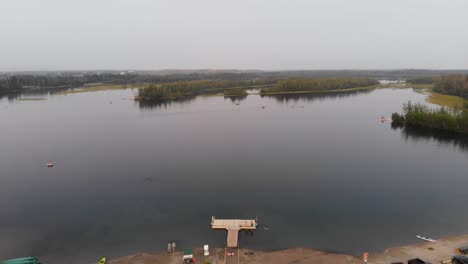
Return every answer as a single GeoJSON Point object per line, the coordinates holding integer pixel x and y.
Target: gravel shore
{"type": "Point", "coordinates": [443, 249]}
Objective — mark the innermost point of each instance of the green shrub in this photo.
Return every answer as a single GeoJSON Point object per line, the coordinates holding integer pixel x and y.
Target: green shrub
{"type": "Point", "coordinates": [441, 119]}
{"type": "Point", "coordinates": [398, 119]}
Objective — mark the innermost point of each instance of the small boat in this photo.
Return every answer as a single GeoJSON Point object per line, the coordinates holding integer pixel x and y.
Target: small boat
{"type": "Point", "coordinates": [103, 261]}
{"type": "Point", "coordinates": [426, 239]}
{"type": "Point", "coordinates": [385, 119]}
{"type": "Point", "coordinates": [50, 164]}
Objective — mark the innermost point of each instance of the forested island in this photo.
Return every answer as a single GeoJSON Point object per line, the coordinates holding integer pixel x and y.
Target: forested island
{"type": "Point", "coordinates": [450, 120]}
{"type": "Point", "coordinates": [188, 89]}
{"type": "Point", "coordinates": [182, 90]}
{"type": "Point", "coordinates": [303, 85]}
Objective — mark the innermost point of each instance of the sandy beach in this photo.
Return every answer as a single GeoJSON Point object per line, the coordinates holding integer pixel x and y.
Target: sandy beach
{"type": "Point", "coordinates": [443, 249]}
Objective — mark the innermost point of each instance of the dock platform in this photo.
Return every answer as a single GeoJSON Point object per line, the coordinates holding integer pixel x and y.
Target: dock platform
{"type": "Point", "coordinates": [233, 226]}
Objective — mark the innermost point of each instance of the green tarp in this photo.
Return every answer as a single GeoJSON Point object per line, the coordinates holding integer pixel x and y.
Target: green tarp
{"type": "Point", "coordinates": [28, 260]}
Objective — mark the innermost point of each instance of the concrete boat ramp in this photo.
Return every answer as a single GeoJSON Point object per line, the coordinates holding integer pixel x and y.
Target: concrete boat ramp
{"type": "Point", "coordinates": [233, 226]}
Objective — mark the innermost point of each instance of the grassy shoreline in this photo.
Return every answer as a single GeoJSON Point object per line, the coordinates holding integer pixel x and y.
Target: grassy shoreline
{"type": "Point", "coordinates": [451, 101]}
{"type": "Point", "coordinates": [99, 88]}
{"type": "Point", "coordinates": [434, 97]}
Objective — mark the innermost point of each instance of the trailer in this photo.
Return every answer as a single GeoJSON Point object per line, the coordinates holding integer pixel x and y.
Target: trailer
{"type": "Point", "coordinates": [188, 256]}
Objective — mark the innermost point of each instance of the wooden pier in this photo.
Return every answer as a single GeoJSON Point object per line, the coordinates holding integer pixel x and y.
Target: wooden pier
{"type": "Point", "coordinates": [233, 226]}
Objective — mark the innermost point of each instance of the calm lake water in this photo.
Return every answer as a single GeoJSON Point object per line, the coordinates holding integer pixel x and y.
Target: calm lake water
{"type": "Point", "coordinates": [319, 171]}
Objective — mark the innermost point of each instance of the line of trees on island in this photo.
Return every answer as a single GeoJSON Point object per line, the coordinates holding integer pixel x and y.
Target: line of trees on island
{"type": "Point", "coordinates": [319, 85]}
{"type": "Point", "coordinates": [418, 115]}
{"type": "Point", "coordinates": [187, 89]}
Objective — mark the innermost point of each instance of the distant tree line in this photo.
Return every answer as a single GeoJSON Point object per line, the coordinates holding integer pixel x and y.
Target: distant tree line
{"type": "Point", "coordinates": [319, 84]}
{"type": "Point", "coordinates": [45, 80]}
{"type": "Point", "coordinates": [24, 82]}
{"type": "Point", "coordinates": [453, 85]}
{"type": "Point", "coordinates": [440, 119]}
{"type": "Point", "coordinates": [423, 80]}
{"type": "Point", "coordinates": [10, 83]}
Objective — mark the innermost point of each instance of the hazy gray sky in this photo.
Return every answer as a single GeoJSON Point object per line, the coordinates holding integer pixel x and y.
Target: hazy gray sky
{"type": "Point", "coordinates": [242, 34]}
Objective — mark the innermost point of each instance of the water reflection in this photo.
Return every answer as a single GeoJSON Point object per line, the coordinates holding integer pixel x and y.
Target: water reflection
{"type": "Point", "coordinates": [310, 97]}
{"type": "Point", "coordinates": [155, 105]}
{"type": "Point", "coordinates": [13, 96]}
{"type": "Point", "coordinates": [235, 99]}
{"type": "Point", "coordinates": [18, 95]}
{"type": "Point", "coordinates": [130, 178]}
{"type": "Point", "coordinates": [165, 104]}
{"type": "Point", "coordinates": [417, 134]}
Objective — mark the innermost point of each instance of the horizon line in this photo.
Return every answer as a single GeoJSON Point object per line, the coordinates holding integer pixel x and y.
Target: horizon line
{"type": "Point", "coordinates": [230, 69]}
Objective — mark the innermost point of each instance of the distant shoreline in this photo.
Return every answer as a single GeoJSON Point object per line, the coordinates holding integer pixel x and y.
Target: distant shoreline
{"type": "Point", "coordinates": [324, 91]}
